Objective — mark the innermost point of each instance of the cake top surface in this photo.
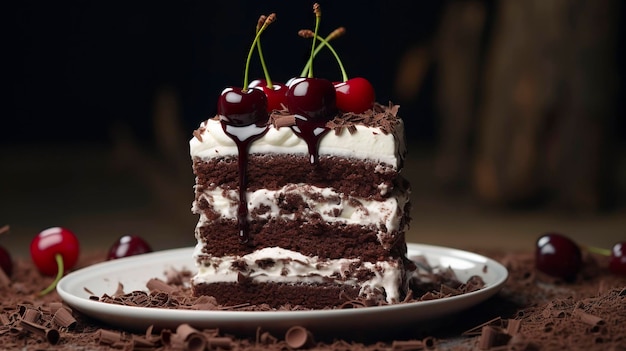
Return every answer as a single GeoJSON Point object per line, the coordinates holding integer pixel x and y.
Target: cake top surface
{"type": "Point", "coordinates": [375, 135]}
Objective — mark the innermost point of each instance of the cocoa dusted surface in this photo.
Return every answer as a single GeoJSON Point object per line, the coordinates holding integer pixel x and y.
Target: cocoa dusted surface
{"type": "Point", "coordinates": [312, 238]}
{"type": "Point", "coordinates": [532, 312]}
{"type": "Point", "coordinates": [348, 176]}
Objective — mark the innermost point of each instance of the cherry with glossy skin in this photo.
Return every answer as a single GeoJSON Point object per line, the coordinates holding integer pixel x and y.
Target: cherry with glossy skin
{"type": "Point", "coordinates": [276, 95]}
{"type": "Point", "coordinates": [617, 263]}
{"type": "Point", "coordinates": [242, 107]}
{"type": "Point", "coordinates": [312, 98]}
{"type": "Point", "coordinates": [6, 263]}
{"type": "Point", "coordinates": [355, 95]}
{"type": "Point", "coordinates": [558, 256]}
{"type": "Point", "coordinates": [51, 242]}
{"type": "Point", "coordinates": [128, 245]}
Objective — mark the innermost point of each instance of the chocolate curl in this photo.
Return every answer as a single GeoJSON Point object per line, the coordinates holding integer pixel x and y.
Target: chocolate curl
{"type": "Point", "coordinates": [31, 315]}
{"type": "Point", "coordinates": [64, 318]}
{"type": "Point", "coordinates": [478, 329]}
{"type": "Point", "coordinates": [216, 343]}
{"type": "Point", "coordinates": [4, 320]}
{"type": "Point", "coordinates": [141, 343]}
{"type": "Point", "coordinates": [157, 284]}
{"type": "Point", "coordinates": [430, 343]}
{"type": "Point", "coordinates": [400, 345]}
{"type": "Point", "coordinates": [513, 326]}
{"type": "Point", "coordinates": [108, 337]}
{"type": "Point", "coordinates": [193, 339]}
{"type": "Point", "coordinates": [491, 337]}
{"type": "Point", "coordinates": [589, 319]}
{"type": "Point", "coordinates": [52, 335]}
{"type": "Point", "coordinates": [299, 337]}
{"type": "Point", "coordinates": [120, 290]}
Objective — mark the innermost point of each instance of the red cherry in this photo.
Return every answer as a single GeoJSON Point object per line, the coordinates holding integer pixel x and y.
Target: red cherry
{"type": "Point", "coordinates": [239, 107]}
{"type": "Point", "coordinates": [6, 264]}
{"type": "Point", "coordinates": [312, 98]}
{"type": "Point", "coordinates": [617, 264]}
{"type": "Point", "coordinates": [128, 245]}
{"type": "Point", "coordinates": [276, 95]}
{"type": "Point", "coordinates": [52, 242]}
{"type": "Point", "coordinates": [355, 95]}
{"type": "Point", "coordinates": [558, 256]}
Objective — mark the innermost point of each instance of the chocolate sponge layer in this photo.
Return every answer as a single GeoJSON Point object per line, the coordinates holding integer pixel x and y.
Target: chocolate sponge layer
{"type": "Point", "coordinates": [349, 176]}
{"type": "Point", "coordinates": [325, 240]}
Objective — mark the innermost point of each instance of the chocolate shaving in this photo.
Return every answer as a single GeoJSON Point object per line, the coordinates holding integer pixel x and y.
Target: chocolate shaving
{"type": "Point", "coordinates": [64, 318]}
{"type": "Point", "coordinates": [157, 284]}
{"type": "Point", "coordinates": [298, 337]}
{"type": "Point", "coordinates": [50, 334]}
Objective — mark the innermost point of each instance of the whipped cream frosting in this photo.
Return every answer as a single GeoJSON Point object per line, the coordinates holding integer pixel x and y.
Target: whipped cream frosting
{"type": "Point", "coordinates": [292, 267]}
{"type": "Point", "coordinates": [363, 142]}
{"type": "Point", "coordinates": [333, 207]}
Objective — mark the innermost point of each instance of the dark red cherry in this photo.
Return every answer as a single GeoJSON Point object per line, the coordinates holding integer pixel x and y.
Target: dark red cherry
{"type": "Point", "coordinates": [617, 264]}
{"type": "Point", "coordinates": [128, 245]}
{"type": "Point", "coordinates": [312, 98]}
{"type": "Point", "coordinates": [276, 95]}
{"type": "Point", "coordinates": [6, 263]}
{"type": "Point", "coordinates": [239, 107]}
{"type": "Point", "coordinates": [355, 95]}
{"type": "Point", "coordinates": [558, 256]}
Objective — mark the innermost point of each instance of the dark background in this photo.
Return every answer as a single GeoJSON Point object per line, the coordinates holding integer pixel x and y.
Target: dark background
{"type": "Point", "coordinates": [80, 64]}
{"type": "Point", "coordinates": [83, 143]}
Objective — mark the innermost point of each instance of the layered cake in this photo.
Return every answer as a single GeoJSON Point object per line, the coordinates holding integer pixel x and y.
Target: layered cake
{"type": "Point", "coordinates": [303, 219]}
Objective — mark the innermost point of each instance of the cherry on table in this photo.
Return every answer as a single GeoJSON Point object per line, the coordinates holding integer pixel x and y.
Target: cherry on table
{"type": "Point", "coordinates": [355, 95]}
{"type": "Point", "coordinates": [617, 263]}
{"type": "Point", "coordinates": [558, 256]}
{"type": "Point", "coordinates": [6, 263]}
{"type": "Point", "coordinates": [128, 245]}
{"type": "Point", "coordinates": [53, 251]}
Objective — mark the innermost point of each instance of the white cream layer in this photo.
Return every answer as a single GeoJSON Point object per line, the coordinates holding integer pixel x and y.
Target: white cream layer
{"type": "Point", "coordinates": [292, 267]}
{"type": "Point", "coordinates": [367, 143]}
{"type": "Point", "coordinates": [331, 206]}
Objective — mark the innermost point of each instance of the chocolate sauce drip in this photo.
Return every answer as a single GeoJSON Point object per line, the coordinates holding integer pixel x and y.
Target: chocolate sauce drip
{"type": "Point", "coordinates": [311, 132]}
{"type": "Point", "coordinates": [243, 137]}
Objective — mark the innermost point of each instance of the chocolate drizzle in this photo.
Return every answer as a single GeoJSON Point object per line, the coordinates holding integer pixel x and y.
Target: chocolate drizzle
{"type": "Point", "coordinates": [311, 132]}
{"type": "Point", "coordinates": [243, 137]}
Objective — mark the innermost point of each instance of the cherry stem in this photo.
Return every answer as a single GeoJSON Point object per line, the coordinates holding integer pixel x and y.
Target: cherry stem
{"type": "Point", "coordinates": [60, 269]}
{"type": "Point", "coordinates": [268, 80]}
{"type": "Point", "coordinates": [597, 250]}
{"type": "Point", "coordinates": [335, 34]}
{"type": "Point", "coordinates": [318, 17]}
{"type": "Point", "coordinates": [271, 18]}
{"type": "Point", "coordinates": [325, 42]}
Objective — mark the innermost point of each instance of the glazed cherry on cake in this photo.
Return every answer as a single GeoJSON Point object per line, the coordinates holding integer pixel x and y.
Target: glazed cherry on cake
{"type": "Point", "coordinates": [310, 98]}
{"type": "Point", "coordinates": [53, 251]}
{"type": "Point", "coordinates": [128, 245]}
{"type": "Point", "coordinates": [244, 106]}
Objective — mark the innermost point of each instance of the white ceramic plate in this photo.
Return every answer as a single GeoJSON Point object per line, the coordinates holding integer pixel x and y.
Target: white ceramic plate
{"type": "Point", "coordinates": [133, 272]}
